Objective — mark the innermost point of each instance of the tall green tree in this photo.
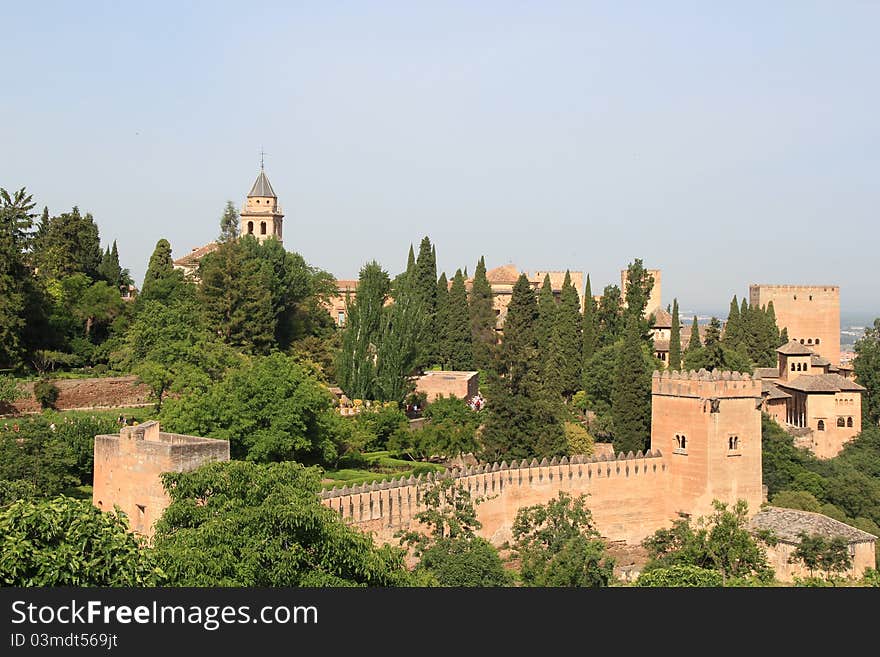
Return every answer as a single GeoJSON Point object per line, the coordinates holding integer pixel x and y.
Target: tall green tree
{"type": "Point", "coordinates": [459, 348]}
{"type": "Point", "coordinates": [360, 339]}
{"type": "Point", "coordinates": [482, 318]}
{"type": "Point", "coordinates": [631, 395]}
{"type": "Point", "coordinates": [675, 339]}
{"type": "Point", "coordinates": [69, 245]}
{"type": "Point", "coordinates": [694, 342]}
{"type": "Point", "coordinates": [566, 340]}
{"type": "Point", "coordinates": [609, 316]}
{"type": "Point", "coordinates": [866, 367]}
{"type": "Point", "coordinates": [441, 321]}
{"type": "Point", "coordinates": [162, 282]}
{"type": "Point", "coordinates": [733, 330]}
{"type": "Point", "coordinates": [110, 269]}
{"type": "Point", "coordinates": [229, 225]}
{"type": "Point", "coordinates": [546, 316]}
{"type": "Point", "coordinates": [590, 327]}
{"type": "Point", "coordinates": [522, 420]}
{"type": "Point", "coordinates": [16, 220]}
{"type": "Point", "coordinates": [425, 291]}
{"type": "Point", "coordinates": [398, 348]}
{"type": "Point", "coordinates": [639, 283]}
{"type": "Point", "coordinates": [248, 524]}
{"type": "Point", "coordinates": [558, 545]}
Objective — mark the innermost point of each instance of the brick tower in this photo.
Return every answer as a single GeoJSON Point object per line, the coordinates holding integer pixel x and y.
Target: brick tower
{"type": "Point", "coordinates": [261, 215]}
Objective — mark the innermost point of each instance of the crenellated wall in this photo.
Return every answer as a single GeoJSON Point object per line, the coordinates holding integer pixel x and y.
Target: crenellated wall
{"type": "Point", "coordinates": [626, 495]}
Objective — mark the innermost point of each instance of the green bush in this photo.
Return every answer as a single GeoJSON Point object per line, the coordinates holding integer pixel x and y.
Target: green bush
{"type": "Point", "coordinates": [680, 575]}
{"type": "Point", "coordinates": [577, 439]}
{"type": "Point", "coordinates": [46, 393]}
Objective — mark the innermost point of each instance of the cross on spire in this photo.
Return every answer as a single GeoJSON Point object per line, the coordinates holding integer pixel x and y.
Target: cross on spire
{"type": "Point", "coordinates": [262, 155]}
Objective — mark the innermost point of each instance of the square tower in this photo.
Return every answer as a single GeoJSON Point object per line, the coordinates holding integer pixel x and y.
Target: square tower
{"type": "Point", "coordinates": [708, 426]}
{"type": "Point", "coordinates": [261, 215]}
{"type": "Point", "coordinates": [811, 313]}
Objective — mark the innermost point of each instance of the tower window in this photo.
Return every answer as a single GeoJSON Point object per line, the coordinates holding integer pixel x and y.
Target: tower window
{"type": "Point", "coordinates": [841, 422]}
{"type": "Point", "coordinates": [733, 443]}
{"type": "Point", "coordinates": [262, 228]}
{"type": "Point", "coordinates": [810, 341]}
{"type": "Point", "coordinates": [802, 340]}
{"type": "Point", "coordinates": [250, 228]}
{"type": "Point", "coordinates": [817, 340]}
{"type": "Point", "coordinates": [821, 425]}
{"type": "Point", "coordinates": [680, 444]}
{"type": "Point", "coordinates": [849, 422]}
{"type": "Point", "coordinates": [792, 367]}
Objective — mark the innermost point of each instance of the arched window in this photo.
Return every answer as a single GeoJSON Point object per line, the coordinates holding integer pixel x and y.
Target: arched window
{"type": "Point", "coordinates": [802, 340]}
{"type": "Point", "coordinates": [250, 228]}
{"type": "Point", "coordinates": [821, 425]}
{"type": "Point", "coordinates": [792, 367]}
{"type": "Point", "coordinates": [684, 442]}
{"type": "Point", "coordinates": [262, 228]}
{"type": "Point", "coordinates": [733, 443]}
{"type": "Point", "coordinates": [817, 340]}
{"type": "Point", "coordinates": [849, 422]}
{"type": "Point", "coordinates": [841, 422]}
{"type": "Point", "coordinates": [810, 341]}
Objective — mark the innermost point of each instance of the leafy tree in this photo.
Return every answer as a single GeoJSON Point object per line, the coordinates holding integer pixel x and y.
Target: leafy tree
{"type": "Point", "coordinates": [797, 499]}
{"type": "Point", "coordinates": [675, 339]}
{"type": "Point", "coordinates": [721, 542]}
{"type": "Point", "coordinates": [229, 227]}
{"type": "Point", "coordinates": [46, 393]}
{"type": "Point", "coordinates": [16, 220]}
{"type": "Point", "coordinates": [578, 439]}
{"type": "Point", "coordinates": [35, 454]}
{"type": "Point", "coordinates": [590, 328]}
{"type": "Point", "coordinates": [69, 245]}
{"type": "Point", "coordinates": [609, 316]}
{"type": "Point", "coordinates": [270, 409]}
{"type": "Point", "coordinates": [679, 575]}
{"type": "Point", "coordinates": [631, 394]}
{"type": "Point", "coordinates": [566, 341]}
{"type": "Point", "coordinates": [13, 491]}
{"type": "Point", "coordinates": [558, 544]}
{"type": "Point", "coordinates": [521, 418]}
{"type": "Point", "coordinates": [451, 551]}
{"type": "Point", "coordinates": [639, 284]}
{"type": "Point", "coordinates": [360, 340]}
{"type": "Point", "coordinates": [247, 524]}
{"type": "Point", "coordinates": [459, 347]}
{"type": "Point", "coordinates": [68, 542]}
{"type": "Point", "coordinates": [482, 316]}
{"type": "Point", "coordinates": [9, 391]}
{"type": "Point", "coordinates": [817, 552]}
{"type": "Point", "coordinates": [866, 367]}
{"type": "Point", "coordinates": [162, 282]}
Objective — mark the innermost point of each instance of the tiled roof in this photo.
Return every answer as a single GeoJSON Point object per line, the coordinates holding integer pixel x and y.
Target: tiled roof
{"type": "Point", "coordinates": [262, 187]}
{"type": "Point", "coordinates": [766, 373]}
{"type": "Point", "coordinates": [504, 274]}
{"type": "Point", "coordinates": [818, 361]}
{"type": "Point", "coordinates": [772, 391]}
{"type": "Point", "coordinates": [343, 285]}
{"type": "Point", "coordinates": [787, 524]}
{"type": "Point", "coordinates": [661, 345]}
{"type": "Point", "coordinates": [192, 258]}
{"type": "Point", "coordinates": [821, 383]}
{"type": "Point", "coordinates": [662, 319]}
{"type": "Point", "coordinates": [794, 348]}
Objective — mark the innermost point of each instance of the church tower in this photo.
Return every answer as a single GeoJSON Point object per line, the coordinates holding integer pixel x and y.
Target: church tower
{"type": "Point", "coordinates": [261, 215]}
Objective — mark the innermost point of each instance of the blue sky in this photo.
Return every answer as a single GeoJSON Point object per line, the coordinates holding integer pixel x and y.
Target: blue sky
{"type": "Point", "coordinates": [725, 145]}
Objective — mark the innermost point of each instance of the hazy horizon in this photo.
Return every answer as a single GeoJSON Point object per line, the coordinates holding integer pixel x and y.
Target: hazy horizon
{"type": "Point", "coordinates": [724, 145]}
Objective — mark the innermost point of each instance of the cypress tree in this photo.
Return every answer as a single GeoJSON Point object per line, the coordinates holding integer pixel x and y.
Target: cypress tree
{"type": "Point", "coordinates": [609, 316]}
{"type": "Point", "coordinates": [425, 290]}
{"type": "Point", "coordinates": [229, 227]}
{"type": "Point", "coordinates": [733, 331]}
{"type": "Point", "coordinates": [546, 317]}
{"type": "Point", "coordinates": [356, 365]}
{"type": "Point", "coordinates": [589, 330]}
{"type": "Point", "coordinates": [458, 331]}
{"type": "Point", "coordinates": [694, 343]}
{"type": "Point", "coordinates": [566, 340]}
{"type": "Point", "coordinates": [639, 284]}
{"type": "Point", "coordinates": [714, 356]}
{"type": "Point", "coordinates": [482, 316]}
{"type": "Point", "coordinates": [109, 268]}
{"type": "Point", "coordinates": [675, 339]}
{"type": "Point", "coordinates": [442, 322]}
{"type": "Point", "coordinates": [160, 267]}
{"type": "Point", "coordinates": [631, 393]}
{"type": "Point", "coordinates": [521, 420]}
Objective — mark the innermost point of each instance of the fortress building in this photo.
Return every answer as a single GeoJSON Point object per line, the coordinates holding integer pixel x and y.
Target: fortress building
{"type": "Point", "coordinates": [811, 313]}
{"type": "Point", "coordinates": [810, 398]}
{"type": "Point", "coordinates": [128, 469]}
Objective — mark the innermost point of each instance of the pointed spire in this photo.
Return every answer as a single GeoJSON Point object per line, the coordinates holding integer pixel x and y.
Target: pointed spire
{"type": "Point", "coordinates": [262, 187]}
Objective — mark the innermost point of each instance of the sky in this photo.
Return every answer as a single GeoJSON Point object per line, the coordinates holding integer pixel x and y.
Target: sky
{"type": "Point", "coordinates": [723, 143]}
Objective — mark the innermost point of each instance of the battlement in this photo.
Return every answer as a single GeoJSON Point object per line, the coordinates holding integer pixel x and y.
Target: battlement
{"type": "Point", "coordinates": [796, 288]}
{"type": "Point", "coordinates": [541, 470]}
{"type": "Point", "coordinates": [705, 384]}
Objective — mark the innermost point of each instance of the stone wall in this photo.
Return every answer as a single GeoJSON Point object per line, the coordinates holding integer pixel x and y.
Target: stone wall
{"type": "Point", "coordinates": [102, 392]}
{"type": "Point", "coordinates": [863, 557]}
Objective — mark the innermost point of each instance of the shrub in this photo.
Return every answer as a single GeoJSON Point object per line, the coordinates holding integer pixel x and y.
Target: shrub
{"type": "Point", "coordinates": [46, 393]}
{"type": "Point", "coordinates": [577, 439]}
{"type": "Point", "coordinates": [683, 575]}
